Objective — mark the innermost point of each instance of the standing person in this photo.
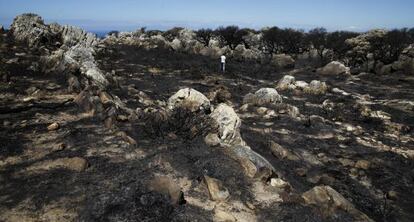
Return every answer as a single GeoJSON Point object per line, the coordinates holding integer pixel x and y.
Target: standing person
{"type": "Point", "coordinates": [223, 63]}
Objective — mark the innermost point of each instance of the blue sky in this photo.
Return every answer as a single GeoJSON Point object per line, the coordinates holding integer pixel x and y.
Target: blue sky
{"type": "Point", "coordinates": [94, 15]}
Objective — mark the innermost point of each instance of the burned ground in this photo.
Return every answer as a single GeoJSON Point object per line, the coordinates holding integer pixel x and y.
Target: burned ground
{"type": "Point", "coordinates": [115, 184]}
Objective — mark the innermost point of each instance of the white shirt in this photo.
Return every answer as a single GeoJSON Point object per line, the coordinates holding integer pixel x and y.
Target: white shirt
{"type": "Point", "coordinates": [223, 59]}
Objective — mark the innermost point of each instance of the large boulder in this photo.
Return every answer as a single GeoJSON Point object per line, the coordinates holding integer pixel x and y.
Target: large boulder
{"type": "Point", "coordinates": [334, 68]}
{"type": "Point", "coordinates": [189, 98]}
{"type": "Point", "coordinates": [263, 96]}
{"type": "Point", "coordinates": [241, 53]}
{"type": "Point", "coordinates": [283, 61]}
{"type": "Point", "coordinates": [253, 40]}
{"type": "Point", "coordinates": [329, 201]}
{"type": "Point", "coordinates": [228, 123]}
{"type": "Point", "coordinates": [30, 28]}
{"type": "Point", "coordinates": [406, 60]}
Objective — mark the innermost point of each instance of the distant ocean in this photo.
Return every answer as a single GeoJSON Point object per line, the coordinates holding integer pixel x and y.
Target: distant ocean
{"type": "Point", "coordinates": [100, 34]}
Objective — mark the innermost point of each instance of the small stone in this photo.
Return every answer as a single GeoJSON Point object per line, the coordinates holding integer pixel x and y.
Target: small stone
{"type": "Point", "coordinates": [353, 172]}
{"type": "Point", "coordinates": [281, 152]}
{"type": "Point", "coordinates": [346, 162]}
{"type": "Point", "coordinates": [53, 126]}
{"type": "Point", "coordinates": [301, 172]}
{"type": "Point", "coordinates": [127, 138]}
{"type": "Point", "coordinates": [216, 189]}
{"type": "Point", "coordinates": [60, 147]}
{"type": "Point", "coordinates": [363, 164]}
{"type": "Point", "coordinates": [212, 139]}
{"type": "Point", "coordinates": [392, 195]}
{"type": "Point", "coordinates": [278, 183]}
{"type": "Point", "coordinates": [167, 186]}
{"type": "Point", "coordinates": [172, 136]}
{"type": "Point", "coordinates": [122, 118]}
{"type": "Point", "coordinates": [261, 110]}
{"type": "Point", "coordinates": [105, 97]}
{"type": "Point", "coordinates": [6, 123]}
{"type": "Point", "coordinates": [244, 108]}
{"type": "Point", "coordinates": [109, 122]}
{"type": "Point", "coordinates": [249, 168]}
{"type": "Point", "coordinates": [250, 205]}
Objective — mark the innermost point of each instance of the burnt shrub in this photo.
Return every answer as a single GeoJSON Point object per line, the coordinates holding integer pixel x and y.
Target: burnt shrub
{"type": "Point", "coordinates": [204, 36]}
{"type": "Point", "coordinates": [173, 33]}
{"type": "Point", "coordinates": [230, 36]}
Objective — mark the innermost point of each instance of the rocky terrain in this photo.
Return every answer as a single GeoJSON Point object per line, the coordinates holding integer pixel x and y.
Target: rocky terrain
{"type": "Point", "coordinates": [137, 127]}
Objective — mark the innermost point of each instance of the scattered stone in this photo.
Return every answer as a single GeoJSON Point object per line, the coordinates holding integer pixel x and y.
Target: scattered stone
{"type": "Point", "coordinates": [334, 68]}
{"type": "Point", "coordinates": [244, 108]}
{"type": "Point", "coordinates": [392, 195]}
{"type": "Point", "coordinates": [249, 167]}
{"type": "Point", "coordinates": [216, 189]}
{"type": "Point", "coordinates": [31, 90]}
{"type": "Point", "coordinates": [287, 82]}
{"type": "Point", "coordinates": [380, 115]}
{"type": "Point", "coordinates": [346, 162]}
{"type": "Point", "coordinates": [316, 87]}
{"type": "Point", "coordinates": [53, 127]}
{"type": "Point", "coordinates": [172, 136]}
{"type": "Point", "coordinates": [105, 98]}
{"type": "Point", "coordinates": [59, 147]}
{"type": "Point", "coordinates": [263, 96]}
{"type": "Point", "coordinates": [329, 200]}
{"type": "Point", "coordinates": [122, 118]}
{"type": "Point", "coordinates": [167, 186]}
{"type": "Point", "coordinates": [261, 110]}
{"type": "Point", "coordinates": [127, 138]}
{"type": "Point", "coordinates": [281, 152]}
{"type": "Point", "coordinates": [212, 139]}
{"type": "Point", "coordinates": [77, 164]}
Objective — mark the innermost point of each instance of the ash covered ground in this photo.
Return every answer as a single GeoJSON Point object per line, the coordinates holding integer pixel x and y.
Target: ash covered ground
{"type": "Point", "coordinates": [110, 130]}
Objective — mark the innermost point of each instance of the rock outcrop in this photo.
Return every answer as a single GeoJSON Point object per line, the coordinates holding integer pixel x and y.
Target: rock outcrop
{"type": "Point", "coordinates": [283, 61]}
{"type": "Point", "coordinates": [334, 68]}
{"type": "Point", "coordinates": [31, 29]}
{"type": "Point", "coordinates": [71, 46]}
